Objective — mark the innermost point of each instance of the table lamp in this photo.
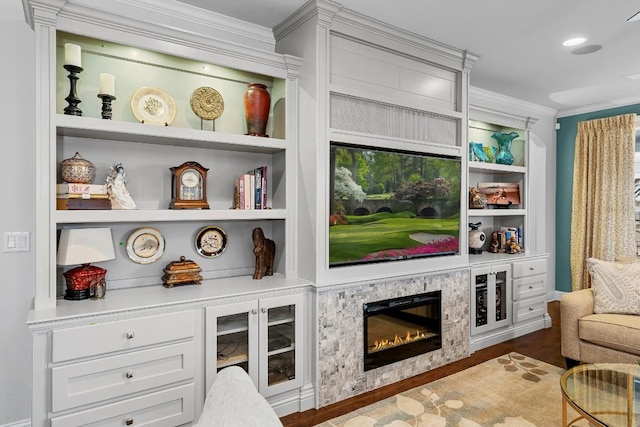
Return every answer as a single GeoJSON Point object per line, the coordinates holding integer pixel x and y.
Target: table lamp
{"type": "Point", "coordinates": [84, 246]}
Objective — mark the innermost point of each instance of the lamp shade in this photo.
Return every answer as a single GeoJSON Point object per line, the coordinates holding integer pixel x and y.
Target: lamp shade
{"type": "Point", "coordinates": [85, 245]}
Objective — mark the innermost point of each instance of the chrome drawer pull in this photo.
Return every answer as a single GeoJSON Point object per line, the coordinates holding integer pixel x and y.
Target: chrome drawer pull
{"type": "Point", "coordinates": [254, 311]}
{"type": "Point", "coordinates": [531, 268]}
{"type": "Point", "coordinates": [129, 374]}
{"type": "Point", "coordinates": [129, 421]}
{"type": "Point", "coordinates": [264, 310]}
{"type": "Point", "coordinates": [130, 335]}
{"type": "Point", "coordinates": [530, 287]}
{"type": "Point", "coordinates": [530, 308]}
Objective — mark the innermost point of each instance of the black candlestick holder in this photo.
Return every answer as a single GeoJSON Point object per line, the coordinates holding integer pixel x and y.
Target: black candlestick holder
{"type": "Point", "coordinates": [106, 105]}
{"type": "Point", "coordinates": [72, 99]}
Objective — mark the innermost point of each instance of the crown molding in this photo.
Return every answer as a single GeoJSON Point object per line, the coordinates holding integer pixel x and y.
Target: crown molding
{"type": "Point", "coordinates": [615, 103]}
{"type": "Point", "coordinates": [488, 100]}
{"type": "Point", "coordinates": [162, 17]}
{"type": "Point", "coordinates": [333, 15]}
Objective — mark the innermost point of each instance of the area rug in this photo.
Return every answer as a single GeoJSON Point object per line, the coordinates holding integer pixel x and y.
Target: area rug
{"type": "Point", "coordinates": [508, 391]}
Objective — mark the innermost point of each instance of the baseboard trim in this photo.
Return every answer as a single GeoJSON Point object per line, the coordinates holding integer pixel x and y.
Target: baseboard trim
{"type": "Point", "coordinates": [496, 337]}
{"type": "Point", "coordinates": [23, 423]}
{"type": "Point", "coordinates": [293, 402]}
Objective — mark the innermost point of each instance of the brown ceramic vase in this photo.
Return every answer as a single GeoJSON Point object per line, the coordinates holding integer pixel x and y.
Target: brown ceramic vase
{"type": "Point", "coordinates": [257, 103]}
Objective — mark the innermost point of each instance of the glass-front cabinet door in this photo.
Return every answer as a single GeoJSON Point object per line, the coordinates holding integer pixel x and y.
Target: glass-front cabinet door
{"type": "Point", "coordinates": [280, 344]}
{"type": "Point", "coordinates": [263, 337]}
{"type": "Point", "coordinates": [232, 339]}
{"type": "Point", "coordinates": [490, 298]}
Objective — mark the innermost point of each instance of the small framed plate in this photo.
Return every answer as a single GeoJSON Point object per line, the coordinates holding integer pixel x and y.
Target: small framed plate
{"type": "Point", "coordinates": [211, 241]}
{"type": "Point", "coordinates": [145, 245]}
{"type": "Point", "coordinates": [153, 106]}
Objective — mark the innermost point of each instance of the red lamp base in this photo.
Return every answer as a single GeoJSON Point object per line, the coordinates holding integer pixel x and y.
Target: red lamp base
{"type": "Point", "coordinates": [86, 281]}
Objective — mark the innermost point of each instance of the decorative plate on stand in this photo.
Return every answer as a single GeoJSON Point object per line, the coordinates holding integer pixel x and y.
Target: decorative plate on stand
{"type": "Point", "coordinates": [207, 103]}
{"type": "Point", "coordinates": [153, 106]}
{"type": "Point", "coordinates": [145, 245]}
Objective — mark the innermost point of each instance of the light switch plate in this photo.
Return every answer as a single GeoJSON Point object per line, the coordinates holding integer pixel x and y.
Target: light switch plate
{"type": "Point", "coordinates": [16, 241]}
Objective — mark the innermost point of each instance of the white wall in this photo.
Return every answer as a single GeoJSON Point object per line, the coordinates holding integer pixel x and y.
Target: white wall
{"type": "Point", "coordinates": [17, 151]}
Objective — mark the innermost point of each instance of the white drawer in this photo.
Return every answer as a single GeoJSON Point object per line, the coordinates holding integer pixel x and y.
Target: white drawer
{"type": "Point", "coordinates": [529, 309]}
{"type": "Point", "coordinates": [528, 287]}
{"type": "Point", "coordinates": [529, 267]}
{"type": "Point", "coordinates": [106, 378]}
{"type": "Point", "coordinates": [97, 339]}
{"type": "Point", "coordinates": [167, 408]}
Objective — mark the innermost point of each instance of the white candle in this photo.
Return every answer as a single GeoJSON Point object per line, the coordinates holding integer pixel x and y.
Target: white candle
{"type": "Point", "coordinates": [107, 84]}
{"type": "Point", "coordinates": [72, 55]}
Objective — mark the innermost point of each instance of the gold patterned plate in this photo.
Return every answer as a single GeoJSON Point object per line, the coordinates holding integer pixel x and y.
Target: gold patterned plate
{"type": "Point", "coordinates": [145, 245]}
{"type": "Point", "coordinates": [207, 103]}
{"type": "Point", "coordinates": [153, 106]}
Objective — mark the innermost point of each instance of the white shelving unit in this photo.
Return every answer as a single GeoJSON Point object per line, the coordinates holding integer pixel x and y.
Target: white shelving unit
{"type": "Point", "coordinates": [139, 320]}
{"type": "Point", "coordinates": [148, 151]}
{"type": "Point", "coordinates": [517, 279]}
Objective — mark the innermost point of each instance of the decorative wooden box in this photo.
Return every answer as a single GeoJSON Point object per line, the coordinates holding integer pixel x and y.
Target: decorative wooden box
{"type": "Point", "coordinates": [183, 272]}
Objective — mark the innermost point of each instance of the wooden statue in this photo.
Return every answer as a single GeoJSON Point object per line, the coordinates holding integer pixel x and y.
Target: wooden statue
{"type": "Point", "coordinates": [265, 250]}
{"type": "Point", "coordinates": [494, 246]}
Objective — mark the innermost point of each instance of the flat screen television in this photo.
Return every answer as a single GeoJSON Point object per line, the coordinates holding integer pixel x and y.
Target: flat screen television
{"type": "Point", "coordinates": [391, 205]}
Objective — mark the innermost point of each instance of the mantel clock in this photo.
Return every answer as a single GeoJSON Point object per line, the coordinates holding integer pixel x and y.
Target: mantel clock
{"type": "Point", "coordinates": [189, 186]}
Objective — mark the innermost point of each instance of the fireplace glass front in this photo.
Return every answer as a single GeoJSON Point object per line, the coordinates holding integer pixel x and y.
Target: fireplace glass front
{"type": "Point", "coordinates": [396, 329]}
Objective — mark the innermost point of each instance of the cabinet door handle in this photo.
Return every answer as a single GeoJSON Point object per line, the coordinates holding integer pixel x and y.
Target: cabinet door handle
{"type": "Point", "coordinates": [264, 309]}
{"type": "Point", "coordinates": [129, 374]}
{"type": "Point", "coordinates": [128, 421]}
{"type": "Point", "coordinates": [530, 287]}
{"type": "Point", "coordinates": [530, 308]}
{"type": "Point", "coordinates": [530, 268]}
{"type": "Point", "coordinates": [254, 311]}
{"type": "Point", "coordinates": [130, 335]}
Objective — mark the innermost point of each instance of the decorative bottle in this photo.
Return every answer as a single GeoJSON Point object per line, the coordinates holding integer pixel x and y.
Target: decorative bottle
{"type": "Point", "coordinates": [257, 103]}
{"type": "Point", "coordinates": [504, 155]}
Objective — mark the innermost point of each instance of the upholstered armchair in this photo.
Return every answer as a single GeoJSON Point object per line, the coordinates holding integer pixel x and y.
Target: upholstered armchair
{"type": "Point", "coordinates": [589, 337]}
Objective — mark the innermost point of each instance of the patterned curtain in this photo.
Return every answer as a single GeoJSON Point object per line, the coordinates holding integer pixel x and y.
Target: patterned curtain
{"type": "Point", "coordinates": [603, 218]}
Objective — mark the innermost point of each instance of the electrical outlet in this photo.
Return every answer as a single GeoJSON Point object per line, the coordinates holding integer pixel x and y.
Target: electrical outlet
{"type": "Point", "coordinates": [16, 241]}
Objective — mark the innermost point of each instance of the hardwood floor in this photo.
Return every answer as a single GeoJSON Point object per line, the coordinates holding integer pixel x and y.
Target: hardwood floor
{"type": "Point", "coordinates": [542, 345]}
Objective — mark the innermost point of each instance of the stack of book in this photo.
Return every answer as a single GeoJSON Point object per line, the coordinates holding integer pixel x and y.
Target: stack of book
{"type": "Point", "coordinates": [70, 196]}
{"type": "Point", "coordinates": [251, 189]}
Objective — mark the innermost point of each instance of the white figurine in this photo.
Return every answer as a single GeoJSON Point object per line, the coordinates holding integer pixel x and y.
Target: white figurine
{"type": "Point", "coordinates": [118, 193]}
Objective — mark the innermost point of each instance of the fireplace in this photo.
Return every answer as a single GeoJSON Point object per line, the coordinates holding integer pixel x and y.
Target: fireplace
{"type": "Point", "coordinates": [399, 328]}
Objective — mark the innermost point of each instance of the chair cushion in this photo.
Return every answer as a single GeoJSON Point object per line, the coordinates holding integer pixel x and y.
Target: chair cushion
{"type": "Point", "coordinates": [616, 286]}
{"type": "Point", "coordinates": [617, 331]}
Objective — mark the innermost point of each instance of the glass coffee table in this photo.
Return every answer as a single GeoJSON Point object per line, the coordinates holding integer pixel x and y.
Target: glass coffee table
{"type": "Point", "coordinates": [605, 394]}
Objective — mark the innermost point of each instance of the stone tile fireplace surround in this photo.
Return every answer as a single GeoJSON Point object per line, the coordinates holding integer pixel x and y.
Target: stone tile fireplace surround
{"type": "Point", "coordinates": [341, 372]}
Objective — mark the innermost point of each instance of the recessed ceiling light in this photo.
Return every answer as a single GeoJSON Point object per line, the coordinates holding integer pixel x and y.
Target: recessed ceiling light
{"type": "Point", "coordinates": [574, 42]}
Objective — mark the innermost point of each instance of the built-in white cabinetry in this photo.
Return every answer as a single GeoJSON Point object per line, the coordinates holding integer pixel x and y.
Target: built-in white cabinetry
{"type": "Point", "coordinates": [515, 281]}
{"type": "Point", "coordinates": [264, 337]}
{"type": "Point", "coordinates": [137, 356]}
{"type": "Point", "coordinates": [529, 289]}
{"type": "Point", "coordinates": [127, 372]}
{"type": "Point", "coordinates": [508, 299]}
{"type": "Point", "coordinates": [504, 210]}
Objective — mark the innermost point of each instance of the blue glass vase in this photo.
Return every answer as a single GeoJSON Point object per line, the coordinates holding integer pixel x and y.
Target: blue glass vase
{"type": "Point", "coordinates": [504, 156]}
